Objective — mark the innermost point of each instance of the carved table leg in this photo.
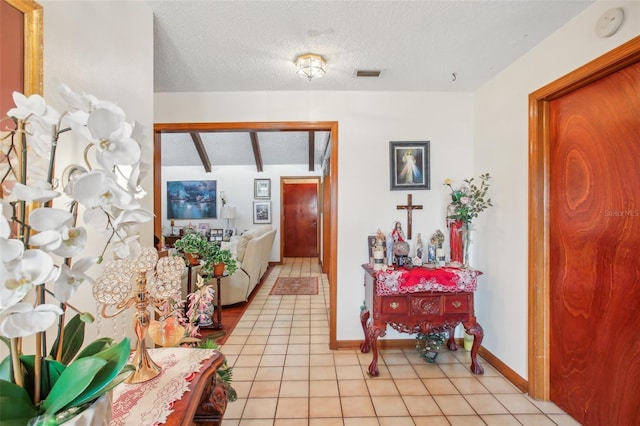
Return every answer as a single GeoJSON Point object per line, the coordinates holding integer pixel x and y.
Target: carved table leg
{"type": "Point", "coordinates": [213, 405]}
{"type": "Point", "coordinates": [364, 319]}
{"type": "Point", "coordinates": [451, 344]}
{"type": "Point", "coordinates": [373, 334]}
{"type": "Point", "coordinates": [477, 332]}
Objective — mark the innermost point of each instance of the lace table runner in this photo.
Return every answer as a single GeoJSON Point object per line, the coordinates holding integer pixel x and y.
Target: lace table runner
{"type": "Point", "coordinates": [445, 279]}
{"type": "Point", "coordinates": [151, 402]}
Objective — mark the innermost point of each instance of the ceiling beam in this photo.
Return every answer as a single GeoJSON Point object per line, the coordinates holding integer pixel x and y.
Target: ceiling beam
{"type": "Point", "coordinates": [312, 149]}
{"type": "Point", "coordinates": [202, 153]}
{"type": "Point", "coordinates": [256, 150]}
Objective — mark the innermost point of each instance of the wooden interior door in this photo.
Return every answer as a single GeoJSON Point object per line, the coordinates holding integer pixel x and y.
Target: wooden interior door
{"type": "Point", "coordinates": [594, 265]}
{"type": "Point", "coordinates": [300, 218]}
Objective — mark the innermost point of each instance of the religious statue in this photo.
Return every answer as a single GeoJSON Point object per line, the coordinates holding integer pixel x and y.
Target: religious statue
{"type": "Point", "coordinates": [455, 238]}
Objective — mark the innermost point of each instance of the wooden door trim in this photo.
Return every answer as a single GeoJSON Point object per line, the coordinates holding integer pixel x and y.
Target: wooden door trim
{"type": "Point", "coordinates": [331, 251]}
{"type": "Point", "coordinates": [33, 44]}
{"type": "Point", "coordinates": [538, 232]}
{"type": "Point", "coordinates": [284, 180]}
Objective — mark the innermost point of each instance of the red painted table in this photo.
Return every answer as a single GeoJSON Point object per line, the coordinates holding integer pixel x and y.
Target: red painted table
{"type": "Point", "coordinates": [419, 300]}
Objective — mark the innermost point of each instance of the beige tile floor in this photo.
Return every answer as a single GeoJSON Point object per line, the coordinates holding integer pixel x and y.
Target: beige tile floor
{"type": "Point", "coordinates": [286, 375]}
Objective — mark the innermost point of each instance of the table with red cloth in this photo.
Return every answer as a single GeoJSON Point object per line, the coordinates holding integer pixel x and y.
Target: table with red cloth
{"type": "Point", "coordinates": [419, 300]}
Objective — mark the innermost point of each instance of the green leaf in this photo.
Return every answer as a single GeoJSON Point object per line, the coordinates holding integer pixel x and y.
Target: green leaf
{"type": "Point", "coordinates": [115, 359]}
{"type": "Point", "coordinates": [52, 367]}
{"type": "Point", "coordinates": [124, 375]}
{"type": "Point", "coordinates": [16, 405]}
{"type": "Point", "coordinates": [96, 346]}
{"type": "Point", "coordinates": [73, 340]}
{"type": "Point", "coordinates": [73, 381]}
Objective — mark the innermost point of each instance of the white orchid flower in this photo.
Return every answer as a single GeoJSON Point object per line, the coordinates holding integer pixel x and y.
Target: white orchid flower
{"type": "Point", "coordinates": [132, 217]}
{"type": "Point", "coordinates": [34, 109]}
{"type": "Point", "coordinates": [56, 233]}
{"type": "Point", "coordinates": [26, 106]}
{"type": "Point", "coordinates": [112, 137]}
{"type": "Point", "coordinates": [24, 320]}
{"type": "Point", "coordinates": [77, 101]}
{"type": "Point", "coordinates": [40, 192]}
{"type": "Point", "coordinates": [127, 247]}
{"type": "Point", "coordinates": [20, 274]}
{"type": "Point", "coordinates": [71, 278]}
{"type": "Point", "coordinates": [99, 188]}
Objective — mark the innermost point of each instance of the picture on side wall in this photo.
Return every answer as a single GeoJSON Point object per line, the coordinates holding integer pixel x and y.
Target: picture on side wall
{"type": "Point", "coordinates": [409, 165]}
{"type": "Point", "coordinates": [262, 212]}
{"type": "Point", "coordinates": [262, 189]}
{"type": "Point", "coordinates": [191, 199]}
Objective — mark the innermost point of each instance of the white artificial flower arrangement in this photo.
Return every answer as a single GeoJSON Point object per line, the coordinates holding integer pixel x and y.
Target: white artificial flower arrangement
{"type": "Point", "coordinates": [38, 243]}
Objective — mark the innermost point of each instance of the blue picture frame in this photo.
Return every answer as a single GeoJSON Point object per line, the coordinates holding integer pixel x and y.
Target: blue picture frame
{"type": "Point", "coordinates": [192, 199]}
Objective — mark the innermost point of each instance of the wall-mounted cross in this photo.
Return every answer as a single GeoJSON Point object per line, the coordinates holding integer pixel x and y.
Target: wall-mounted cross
{"type": "Point", "coordinates": [409, 208]}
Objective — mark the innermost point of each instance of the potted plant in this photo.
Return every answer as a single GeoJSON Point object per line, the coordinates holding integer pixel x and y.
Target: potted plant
{"type": "Point", "coordinates": [194, 246]}
{"type": "Point", "coordinates": [428, 345]}
{"type": "Point", "coordinates": [223, 259]}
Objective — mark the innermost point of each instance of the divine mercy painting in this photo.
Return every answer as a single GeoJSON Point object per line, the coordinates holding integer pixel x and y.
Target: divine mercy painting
{"type": "Point", "coordinates": [191, 199]}
{"type": "Point", "coordinates": [409, 165]}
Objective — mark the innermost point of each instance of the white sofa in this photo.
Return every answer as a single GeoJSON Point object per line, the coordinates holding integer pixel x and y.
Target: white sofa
{"type": "Point", "coordinates": [252, 250]}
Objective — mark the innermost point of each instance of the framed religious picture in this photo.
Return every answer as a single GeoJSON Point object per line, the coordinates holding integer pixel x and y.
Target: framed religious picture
{"type": "Point", "coordinates": [262, 212]}
{"type": "Point", "coordinates": [262, 189]}
{"type": "Point", "coordinates": [409, 165]}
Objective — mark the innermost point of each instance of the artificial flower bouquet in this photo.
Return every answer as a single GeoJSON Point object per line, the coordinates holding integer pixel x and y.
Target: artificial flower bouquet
{"type": "Point", "coordinates": [469, 199]}
{"type": "Point", "coordinates": [42, 260]}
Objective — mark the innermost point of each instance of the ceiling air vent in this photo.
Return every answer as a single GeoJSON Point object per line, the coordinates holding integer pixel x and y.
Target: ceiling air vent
{"type": "Point", "coordinates": [364, 73]}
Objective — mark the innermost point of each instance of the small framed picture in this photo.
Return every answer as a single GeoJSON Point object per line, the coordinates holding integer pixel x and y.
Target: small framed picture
{"type": "Point", "coordinates": [409, 165]}
{"type": "Point", "coordinates": [203, 228]}
{"type": "Point", "coordinates": [262, 189]}
{"type": "Point", "coordinates": [262, 212]}
{"type": "Point", "coordinates": [216, 235]}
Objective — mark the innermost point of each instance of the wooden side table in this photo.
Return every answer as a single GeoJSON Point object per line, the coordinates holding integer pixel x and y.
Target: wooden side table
{"type": "Point", "coordinates": [419, 300]}
{"type": "Point", "coordinates": [187, 391]}
{"type": "Point", "coordinates": [217, 324]}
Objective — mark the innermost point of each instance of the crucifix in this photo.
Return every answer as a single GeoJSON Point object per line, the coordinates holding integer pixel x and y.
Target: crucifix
{"type": "Point", "coordinates": [409, 208]}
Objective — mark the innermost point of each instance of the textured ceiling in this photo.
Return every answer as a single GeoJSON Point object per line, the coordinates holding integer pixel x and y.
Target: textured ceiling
{"type": "Point", "coordinates": [243, 45]}
{"type": "Point", "coordinates": [239, 45]}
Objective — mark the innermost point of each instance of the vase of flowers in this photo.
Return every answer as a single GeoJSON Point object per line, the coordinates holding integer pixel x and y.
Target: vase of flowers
{"type": "Point", "coordinates": [41, 241]}
{"type": "Point", "coordinates": [467, 202]}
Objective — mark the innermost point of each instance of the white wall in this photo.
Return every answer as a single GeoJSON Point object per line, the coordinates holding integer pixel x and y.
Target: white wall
{"type": "Point", "coordinates": [368, 121]}
{"type": "Point", "coordinates": [501, 147]}
{"type": "Point", "coordinates": [106, 49]}
{"type": "Point", "coordinates": [238, 184]}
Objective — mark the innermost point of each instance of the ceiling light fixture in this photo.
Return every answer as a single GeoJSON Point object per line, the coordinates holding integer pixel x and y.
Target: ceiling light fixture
{"type": "Point", "coordinates": [310, 66]}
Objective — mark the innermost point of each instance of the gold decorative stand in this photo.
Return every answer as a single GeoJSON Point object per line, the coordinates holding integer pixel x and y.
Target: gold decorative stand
{"type": "Point", "coordinates": [155, 281]}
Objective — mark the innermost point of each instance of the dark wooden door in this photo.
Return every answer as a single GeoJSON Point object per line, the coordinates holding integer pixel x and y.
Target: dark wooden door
{"type": "Point", "coordinates": [594, 201]}
{"type": "Point", "coordinates": [300, 219]}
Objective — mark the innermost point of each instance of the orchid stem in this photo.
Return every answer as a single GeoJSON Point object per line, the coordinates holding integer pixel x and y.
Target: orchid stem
{"type": "Point", "coordinates": [15, 361]}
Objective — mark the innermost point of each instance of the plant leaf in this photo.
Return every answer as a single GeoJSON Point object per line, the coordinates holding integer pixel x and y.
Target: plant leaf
{"type": "Point", "coordinates": [115, 358]}
{"type": "Point", "coordinates": [75, 379]}
{"type": "Point", "coordinates": [96, 346]}
{"type": "Point", "coordinates": [73, 340]}
{"type": "Point", "coordinates": [53, 367]}
{"type": "Point", "coordinates": [16, 405]}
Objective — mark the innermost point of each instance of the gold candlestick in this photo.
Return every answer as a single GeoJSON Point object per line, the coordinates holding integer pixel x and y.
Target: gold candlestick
{"type": "Point", "coordinates": [152, 287]}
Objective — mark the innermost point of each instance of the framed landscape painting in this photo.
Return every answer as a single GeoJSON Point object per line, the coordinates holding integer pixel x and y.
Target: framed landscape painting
{"type": "Point", "coordinates": [191, 199]}
{"type": "Point", "coordinates": [409, 165]}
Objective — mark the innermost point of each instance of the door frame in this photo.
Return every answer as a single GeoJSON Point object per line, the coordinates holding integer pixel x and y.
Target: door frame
{"type": "Point", "coordinates": [330, 222]}
{"type": "Point", "coordinates": [292, 180]}
{"type": "Point", "coordinates": [539, 231]}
